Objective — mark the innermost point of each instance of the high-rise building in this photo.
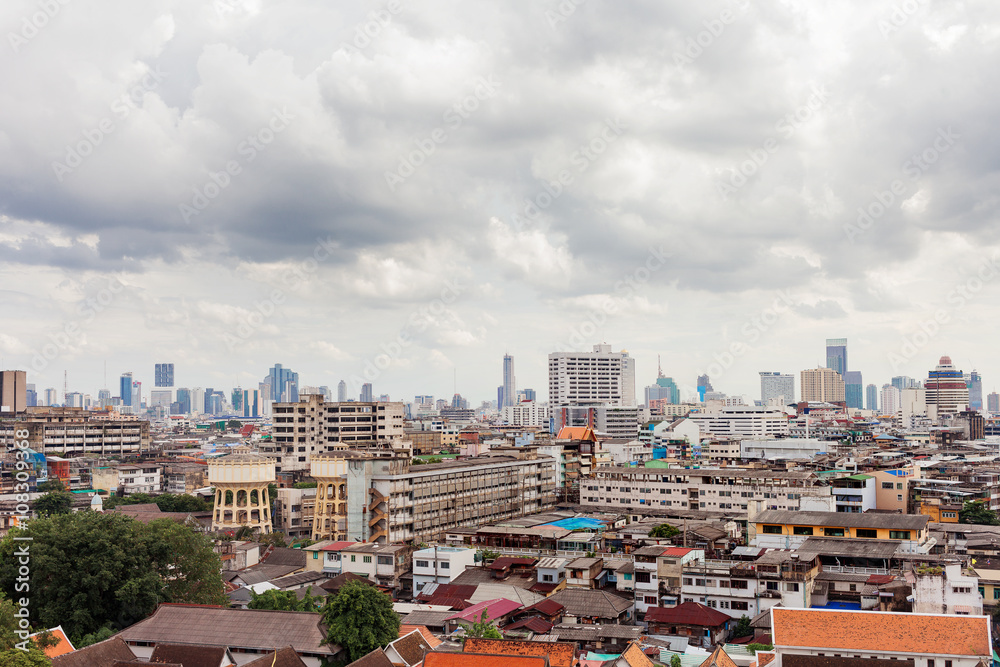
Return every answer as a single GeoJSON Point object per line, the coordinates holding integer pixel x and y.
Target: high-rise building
{"type": "Point", "coordinates": [509, 383]}
{"type": "Point", "coordinates": [704, 383]}
{"type": "Point", "coordinates": [946, 389]}
{"type": "Point", "coordinates": [197, 400]}
{"type": "Point", "coordinates": [664, 387]}
{"type": "Point", "coordinates": [161, 397]}
{"type": "Point", "coordinates": [854, 389]}
{"type": "Point", "coordinates": [136, 397]}
{"type": "Point", "coordinates": [13, 391]}
{"type": "Point", "coordinates": [125, 388]}
{"type": "Point", "coordinates": [975, 385]}
{"type": "Point", "coordinates": [601, 376]}
{"type": "Point", "coordinates": [30, 395]}
{"type": "Point", "coordinates": [775, 386]}
{"type": "Point", "coordinates": [237, 400]}
{"type": "Point", "coordinates": [163, 375]}
{"type": "Point", "coordinates": [890, 400]}
{"type": "Point", "coordinates": [250, 403]}
{"type": "Point", "coordinates": [993, 402]}
{"type": "Point", "coordinates": [184, 401]}
{"type": "Point", "coordinates": [104, 398]}
{"type": "Point", "coordinates": [822, 384]}
{"type": "Point", "coordinates": [871, 398]}
{"type": "Point", "coordinates": [341, 392]}
{"type": "Point", "coordinates": [902, 382]}
{"type": "Point", "coordinates": [529, 395]}
{"type": "Point", "coordinates": [366, 392]}
{"type": "Point", "coordinates": [836, 355]}
{"type": "Point", "coordinates": [284, 385]}
{"type": "Point", "coordinates": [51, 397]}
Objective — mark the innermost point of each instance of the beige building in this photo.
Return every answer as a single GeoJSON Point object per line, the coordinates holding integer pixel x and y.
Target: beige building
{"type": "Point", "coordinates": [313, 426]}
{"type": "Point", "coordinates": [75, 432]}
{"type": "Point", "coordinates": [293, 512]}
{"type": "Point", "coordinates": [822, 384]}
{"type": "Point", "coordinates": [241, 493]}
{"type": "Point", "coordinates": [892, 488]}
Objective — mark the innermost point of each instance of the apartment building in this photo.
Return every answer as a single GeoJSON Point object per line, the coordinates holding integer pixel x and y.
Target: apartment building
{"type": "Point", "coordinates": [140, 478]}
{"type": "Point", "coordinates": [313, 426]}
{"type": "Point", "coordinates": [293, 512]}
{"type": "Point", "coordinates": [76, 432]}
{"type": "Point", "coordinates": [183, 478]}
{"type": "Point", "coordinates": [380, 496]}
{"type": "Point", "coordinates": [741, 421]}
{"type": "Point", "coordinates": [440, 564]}
{"type": "Point", "coordinates": [600, 376]}
{"type": "Point", "coordinates": [777, 529]}
{"type": "Point", "coordinates": [526, 413]}
{"type": "Point", "coordinates": [703, 489]}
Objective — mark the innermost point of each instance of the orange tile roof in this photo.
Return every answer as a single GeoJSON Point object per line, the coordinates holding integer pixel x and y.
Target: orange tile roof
{"type": "Point", "coordinates": [576, 433]}
{"type": "Point", "coordinates": [881, 631]}
{"type": "Point", "coordinates": [634, 656]}
{"type": "Point", "coordinates": [765, 658]}
{"type": "Point", "coordinates": [560, 654]}
{"type": "Point", "coordinates": [439, 659]}
{"type": "Point", "coordinates": [63, 647]}
{"type": "Point", "coordinates": [719, 658]}
{"type": "Point", "coordinates": [428, 636]}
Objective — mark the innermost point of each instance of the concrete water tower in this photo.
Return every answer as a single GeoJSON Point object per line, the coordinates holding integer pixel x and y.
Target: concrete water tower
{"type": "Point", "coordinates": [241, 497]}
{"type": "Point", "coordinates": [330, 514]}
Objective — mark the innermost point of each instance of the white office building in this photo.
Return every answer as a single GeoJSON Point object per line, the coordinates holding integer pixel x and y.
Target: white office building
{"type": "Point", "coordinates": [588, 377]}
{"type": "Point", "coordinates": [743, 422]}
{"type": "Point", "coordinates": [526, 413]}
{"type": "Point", "coordinates": [440, 565]}
{"type": "Point", "coordinates": [778, 387]}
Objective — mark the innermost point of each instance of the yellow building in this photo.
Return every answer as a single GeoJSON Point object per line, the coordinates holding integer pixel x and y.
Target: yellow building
{"type": "Point", "coordinates": [782, 529]}
{"type": "Point", "coordinates": [940, 513]}
{"type": "Point", "coordinates": [892, 488]}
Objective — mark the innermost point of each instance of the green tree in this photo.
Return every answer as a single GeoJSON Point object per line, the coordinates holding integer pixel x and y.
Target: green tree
{"type": "Point", "coordinates": [10, 654]}
{"type": "Point", "coordinates": [275, 539]}
{"type": "Point", "coordinates": [482, 628]}
{"type": "Point", "coordinates": [104, 633]}
{"type": "Point", "coordinates": [304, 485]}
{"type": "Point", "coordinates": [675, 661]}
{"type": "Point", "coordinates": [743, 627]}
{"type": "Point", "coordinates": [978, 513]}
{"type": "Point", "coordinates": [183, 502]}
{"type": "Point", "coordinates": [91, 569]}
{"type": "Point", "coordinates": [55, 502]}
{"type": "Point", "coordinates": [360, 619]}
{"type": "Point", "coordinates": [50, 485]}
{"type": "Point", "coordinates": [663, 531]}
{"type": "Point", "coordinates": [284, 601]}
{"type": "Point", "coordinates": [753, 647]}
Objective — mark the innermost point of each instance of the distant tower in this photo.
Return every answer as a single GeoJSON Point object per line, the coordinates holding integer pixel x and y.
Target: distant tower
{"type": "Point", "coordinates": [509, 383]}
{"type": "Point", "coordinates": [241, 497]}
{"type": "Point", "coordinates": [836, 354]}
{"type": "Point", "coordinates": [330, 515]}
{"type": "Point", "coordinates": [366, 392]}
{"type": "Point", "coordinates": [342, 392]}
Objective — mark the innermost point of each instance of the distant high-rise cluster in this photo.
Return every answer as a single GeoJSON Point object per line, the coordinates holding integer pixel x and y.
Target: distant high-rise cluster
{"type": "Point", "coordinates": [822, 385]}
{"type": "Point", "coordinates": [282, 385]}
{"type": "Point", "coordinates": [775, 386]}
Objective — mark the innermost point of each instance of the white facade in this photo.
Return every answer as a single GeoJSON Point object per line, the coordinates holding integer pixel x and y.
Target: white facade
{"type": "Point", "coordinates": [889, 400]}
{"type": "Point", "coordinates": [623, 453]}
{"type": "Point", "coordinates": [912, 406]}
{"type": "Point", "coordinates": [777, 387]}
{"type": "Point", "coordinates": [743, 422]}
{"type": "Point", "coordinates": [440, 565]}
{"type": "Point", "coordinates": [948, 592]}
{"type": "Point", "coordinates": [617, 421]}
{"type": "Point", "coordinates": [783, 448]}
{"type": "Point", "coordinates": [526, 413]}
{"type": "Point", "coordinates": [590, 377]}
{"type": "Point", "coordinates": [140, 478]}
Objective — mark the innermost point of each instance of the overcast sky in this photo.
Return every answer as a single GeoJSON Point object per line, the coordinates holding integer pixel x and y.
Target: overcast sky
{"type": "Point", "coordinates": [226, 184]}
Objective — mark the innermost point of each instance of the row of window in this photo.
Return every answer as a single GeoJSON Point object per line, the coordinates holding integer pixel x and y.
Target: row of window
{"type": "Point", "coordinates": [837, 532]}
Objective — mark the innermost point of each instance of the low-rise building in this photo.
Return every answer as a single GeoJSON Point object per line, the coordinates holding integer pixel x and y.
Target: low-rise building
{"type": "Point", "coordinates": [440, 564]}
{"type": "Point", "coordinates": [293, 512]}
{"type": "Point", "coordinates": [776, 529]}
{"type": "Point", "coordinates": [140, 478]}
{"type": "Point", "coordinates": [946, 590]}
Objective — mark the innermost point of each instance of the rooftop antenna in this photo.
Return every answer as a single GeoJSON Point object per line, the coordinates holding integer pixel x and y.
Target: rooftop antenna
{"type": "Point", "coordinates": [659, 367]}
{"type": "Point", "coordinates": [65, 386]}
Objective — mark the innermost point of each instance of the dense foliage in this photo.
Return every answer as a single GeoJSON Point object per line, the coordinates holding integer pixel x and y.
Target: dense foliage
{"type": "Point", "coordinates": [360, 619]}
{"type": "Point", "coordinates": [663, 531]}
{"type": "Point", "coordinates": [91, 570]}
{"type": "Point", "coordinates": [743, 627]}
{"type": "Point", "coordinates": [54, 502]}
{"type": "Point", "coordinates": [12, 653]}
{"type": "Point", "coordinates": [285, 601]}
{"type": "Point", "coordinates": [167, 502]}
{"type": "Point", "coordinates": [482, 628]}
{"type": "Point", "coordinates": [978, 513]}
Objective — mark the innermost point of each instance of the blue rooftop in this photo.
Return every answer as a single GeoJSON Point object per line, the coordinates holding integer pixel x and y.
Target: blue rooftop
{"type": "Point", "coordinates": [837, 604]}
{"type": "Point", "coordinates": [576, 523]}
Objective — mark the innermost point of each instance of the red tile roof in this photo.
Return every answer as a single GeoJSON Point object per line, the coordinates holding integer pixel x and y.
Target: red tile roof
{"type": "Point", "coordinates": [536, 624]}
{"type": "Point", "coordinates": [687, 613]}
{"type": "Point", "coordinates": [547, 607]}
{"type": "Point", "coordinates": [677, 551]}
{"type": "Point", "coordinates": [62, 648]}
{"type": "Point", "coordinates": [338, 546]}
{"type": "Point", "coordinates": [881, 631]}
{"type": "Point", "coordinates": [576, 433]}
{"type": "Point", "coordinates": [436, 659]}
{"type": "Point", "coordinates": [495, 609]}
{"type": "Point", "coordinates": [560, 654]}
{"type": "Point", "coordinates": [429, 637]}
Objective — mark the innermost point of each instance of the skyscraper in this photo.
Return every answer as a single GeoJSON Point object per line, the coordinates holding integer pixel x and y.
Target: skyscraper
{"type": "Point", "coordinates": [902, 382]}
{"type": "Point", "coordinates": [509, 384]}
{"type": "Point", "coordinates": [284, 384]}
{"type": "Point", "coordinates": [184, 401]}
{"type": "Point", "coordinates": [366, 392]}
{"type": "Point", "coordinates": [125, 388]}
{"type": "Point", "coordinates": [51, 396]}
{"type": "Point", "coordinates": [136, 397]}
{"type": "Point", "coordinates": [251, 403]}
{"type": "Point", "coordinates": [163, 375]}
{"type": "Point", "coordinates": [775, 385]}
{"type": "Point", "coordinates": [13, 391]}
{"type": "Point", "coordinates": [946, 389]}
{"type": "Point", "coordinates": [871, 398]}
{"type": "Point", "coordinates": [975, 385]}
{"type": "Point", "coordinates": [890, 400]}
{"type": "Point", "coordinates": [30, 395]}
{"type": "Point", "coordinates": [238, 400]}
{"type": "Point", "coordinates": [993, 402]}
{"type": "Point", "coordinates": [836, 355]}
{"type": "Point", "coordinates": [664, 387]}
{"type": "Point", "coordinates": [822, 385]}
{"type": "Point", "coordinates": [529, 395]}
{"type": "Point", "coordinates": [342, 392]}
{"type": "Point", "coordinates": [854, 389]}
{"type": "Point", "coordinates": [104, 397]}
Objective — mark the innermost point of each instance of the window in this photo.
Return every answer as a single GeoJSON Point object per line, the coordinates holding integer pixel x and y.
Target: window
{"type": "Point", "coordinates": [866, 532]}
{"type": "Point", "coordinates": [792, 587]}
{"type": "Point", "coordinates": [628, 576]}
{"type": "Point", "coordinates": [899, 496]}
{"type": "Point", "coordinates": [649, 599]}
{"type": "Point", "coordinates": [642, 577]}
{"type": "Point", "coordinates": [740, 583]}
{"type": "Point", "coordinates": [352, 558]}
{"type": "Point", "coordinates": [546, 577]}
{"type": "Point", "coordinates": [930, 662]}
{"type": "Point", "coordinates": [802, 530]}
{"type": "Point", "coordinates": [423, 563]}
{"type": "Point", "coordinates": [445, 565]}
{"type": "Point", "coordinates": [739, 605]}
{"type": "Point", "coordinates": [899, 534]}
{"type": "Point", "coordinates": [886, 485]}
{"type": "Point", "coordinates": [899, 486]}
{"type": "Point", "coordinates": [687, 581]}
{"type": "Point", "coordinates": [854, 588]}
{"type": "Point", "coordinates": [772, 585]}
{"type": "Point", "coordinates": [833, 532]}
{"type": "Point", "coordinates": [772, 530]}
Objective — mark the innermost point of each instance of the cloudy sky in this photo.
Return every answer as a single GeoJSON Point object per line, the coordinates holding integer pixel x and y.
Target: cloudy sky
{"type": "Point", "coordinates": [408, 189]}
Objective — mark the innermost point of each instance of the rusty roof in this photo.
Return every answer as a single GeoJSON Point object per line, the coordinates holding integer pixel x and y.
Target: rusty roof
{"type": "Point", "coordinates": [411, 647]}
{"type": "Point", "coordinates": [100, 654]}
{"type": "Point", "coordinates": [441, 659]}
{"type": "Point", "coordinates": [881, 631]}
{"type": "Point", "coordinates": [189, 655]}
{"type": "Point", "coordinates": [285, 657]}
{"type": "Point", "coordinates": [560, 654]}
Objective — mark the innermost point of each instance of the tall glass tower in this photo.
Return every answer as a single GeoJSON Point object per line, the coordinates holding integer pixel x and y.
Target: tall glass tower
{"type": "Point", "coordinates": [836, 354]}
{"type": "Point", "coordinates": [509, 384]}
